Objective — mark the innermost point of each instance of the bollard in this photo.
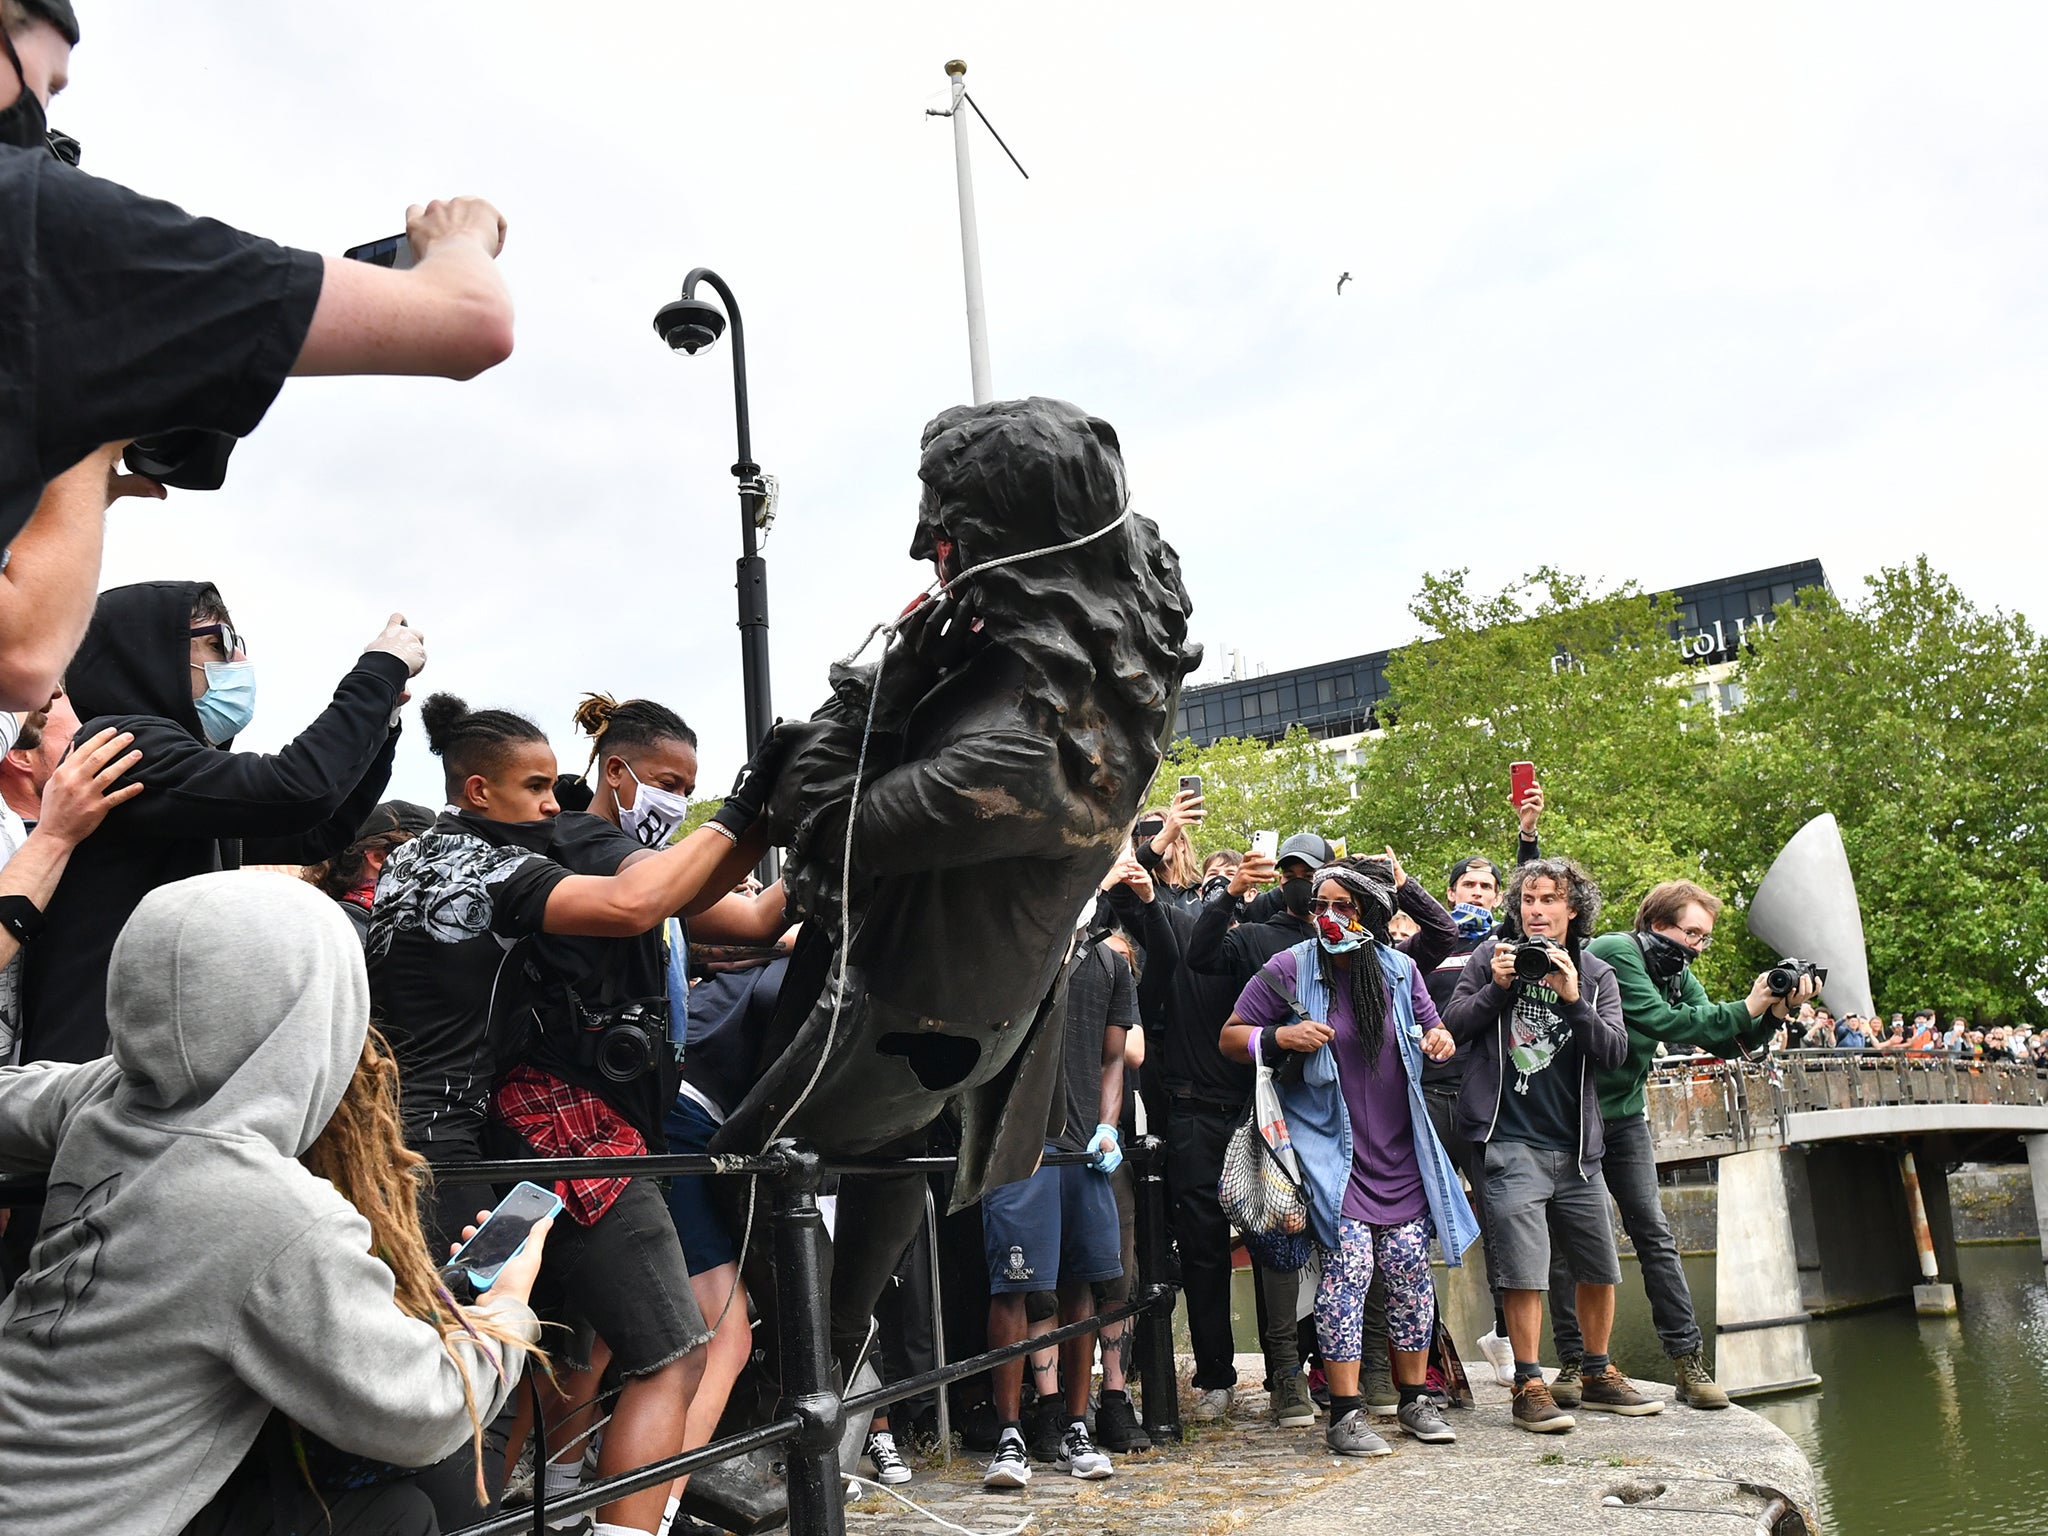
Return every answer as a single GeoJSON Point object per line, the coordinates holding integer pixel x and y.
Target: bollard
{"type": "Point", "coordinates": [809, 1391]}
{"type": "Point", "coordinates": [1161, 1395]}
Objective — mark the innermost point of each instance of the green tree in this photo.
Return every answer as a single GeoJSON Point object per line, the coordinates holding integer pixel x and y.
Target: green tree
{"type": "Point", "coordinates": [1586, 686]}
{"type": "Point", "coordinates": [1921, 722]}
{"type": "Point", "coordinates": [1289, 786]}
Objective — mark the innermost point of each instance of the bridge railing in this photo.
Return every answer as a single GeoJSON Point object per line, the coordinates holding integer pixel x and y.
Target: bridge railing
{"type": "Point", "coordinates": [1704, 1107]}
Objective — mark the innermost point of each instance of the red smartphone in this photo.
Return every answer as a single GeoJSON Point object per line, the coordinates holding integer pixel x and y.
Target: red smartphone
{"type": "Point", "coordinates": [1521, 779]}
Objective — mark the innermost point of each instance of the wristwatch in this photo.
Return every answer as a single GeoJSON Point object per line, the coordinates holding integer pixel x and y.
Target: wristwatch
{"type": "Point", "coordinates": [22, 918]}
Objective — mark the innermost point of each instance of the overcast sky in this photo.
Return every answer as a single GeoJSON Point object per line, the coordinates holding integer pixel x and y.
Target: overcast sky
{"type": "Point", "coordinates": [1654, 294]}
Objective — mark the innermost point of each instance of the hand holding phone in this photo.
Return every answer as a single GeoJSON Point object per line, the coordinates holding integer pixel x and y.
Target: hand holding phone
{"type": "Point", "coordinates": [1521, 779]}
{"type": "Point", "coordinates": [505, 1245]}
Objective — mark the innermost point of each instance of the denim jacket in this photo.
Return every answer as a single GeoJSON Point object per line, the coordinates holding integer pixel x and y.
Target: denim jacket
{"type": "Point", "coordinates": [1319, 1124]}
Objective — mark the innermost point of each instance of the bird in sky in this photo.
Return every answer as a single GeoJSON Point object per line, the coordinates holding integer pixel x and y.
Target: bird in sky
{"type": "Point", "coordinates": [1342, 279]}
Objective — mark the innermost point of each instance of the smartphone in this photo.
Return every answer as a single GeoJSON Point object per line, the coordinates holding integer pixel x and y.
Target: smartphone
{"type": "Point", "coordinates": [501, 1237]}
{"type": "Point", "coordinates": [1266, 843]}
{"type": "Point", "coordinates": [1521, 779]}
{"type": "Point", "coordinates": [1191, 784]}
{"type": "Point", "coordinates": [394, 251]}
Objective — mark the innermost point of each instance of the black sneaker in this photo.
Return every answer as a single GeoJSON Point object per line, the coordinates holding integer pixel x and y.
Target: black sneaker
{"type": "Point", "coordinates": [1117, 1427]}
{"type": "Point", "coordinates": [890, 1467]}
{"type": "Point", "coordinates": [979, 1427]}
{"type": "Point", "coordinates": [1045, 1423]}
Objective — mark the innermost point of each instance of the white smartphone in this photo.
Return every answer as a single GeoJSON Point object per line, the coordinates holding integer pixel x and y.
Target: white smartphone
{"type": "Point", "coordinates": [498, 1241]}
{"type": "Point", "coordinates": [1266, 844]}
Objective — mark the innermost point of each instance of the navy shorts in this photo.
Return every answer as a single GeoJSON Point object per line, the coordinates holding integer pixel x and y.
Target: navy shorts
{"type": "Point", "coordinates": [707, 1242]}
{"type": "Point", "coordinates": [1059, 1224]}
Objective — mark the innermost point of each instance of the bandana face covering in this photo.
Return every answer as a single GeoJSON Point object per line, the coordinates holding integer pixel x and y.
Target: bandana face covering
{"type": "Point", "coordinates": [22, 122]}
{"type": "Point", "coordinates": [1338, 938]}
{"type": "Point", "coordinates": [655, 813]}
{"type": "Point", "coordinates": [1473, 922]}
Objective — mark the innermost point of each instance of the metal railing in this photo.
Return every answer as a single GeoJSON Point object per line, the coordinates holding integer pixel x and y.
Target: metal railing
{"type": "Point", "coordinates": [814, 1409]}
{"type": "Point", "coordinates": [1706, 1107]}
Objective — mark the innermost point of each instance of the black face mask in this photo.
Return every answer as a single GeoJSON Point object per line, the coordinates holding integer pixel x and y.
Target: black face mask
{"type": "Point", "coordinates": [1665, 959]}
{"type": "Point", "coordinates": [23, 124]}
{"type": "Point", "coordinates": [1296, 895]}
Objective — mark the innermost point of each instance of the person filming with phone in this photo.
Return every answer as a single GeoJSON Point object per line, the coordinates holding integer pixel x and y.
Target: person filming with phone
{"type": "Point", "coordinates": [126, 318]}
{"type": "Point", "coordinates": [231, 1324]}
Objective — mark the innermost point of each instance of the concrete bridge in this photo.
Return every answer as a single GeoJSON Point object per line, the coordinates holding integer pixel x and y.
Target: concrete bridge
{"type": "Point", "coordinates": [1822, 1203]}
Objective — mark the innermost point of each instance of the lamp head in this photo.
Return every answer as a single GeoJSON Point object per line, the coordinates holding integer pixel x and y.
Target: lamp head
{"type": "Point", "coordinates": [689, 325]}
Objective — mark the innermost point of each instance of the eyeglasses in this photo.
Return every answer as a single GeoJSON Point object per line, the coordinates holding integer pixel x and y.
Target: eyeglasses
{"type": "Point", "coordinates": [1698, 938]}
{"type": "Point", "coordinates": [230, 640]}
{"type": "Point", "coordinates": [1337, 908]}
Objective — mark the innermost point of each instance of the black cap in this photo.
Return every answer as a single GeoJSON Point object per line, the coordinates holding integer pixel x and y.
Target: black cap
{"type": "Point", "coordinates": [57, 13]}
{"type": "Point", "coordinates": [395, 816]}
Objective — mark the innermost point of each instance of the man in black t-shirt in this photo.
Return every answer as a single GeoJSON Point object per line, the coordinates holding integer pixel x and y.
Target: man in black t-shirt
{"type": "Point", "coordinates": [122, 317]}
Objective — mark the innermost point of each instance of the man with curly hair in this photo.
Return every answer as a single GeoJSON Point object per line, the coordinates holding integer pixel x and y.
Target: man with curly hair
{"type": "Point", "coordinates": [1541, 1014]}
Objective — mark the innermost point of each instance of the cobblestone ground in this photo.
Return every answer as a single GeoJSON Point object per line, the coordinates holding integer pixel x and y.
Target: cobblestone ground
{"type": "Point", "coordinates": [1221, 1477]}
{"type": "Point", "coordinates": [1688, 1474]}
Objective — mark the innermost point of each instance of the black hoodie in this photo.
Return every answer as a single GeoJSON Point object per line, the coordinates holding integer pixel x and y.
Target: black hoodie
{"type": "Point", "coordinates": [202, 808]}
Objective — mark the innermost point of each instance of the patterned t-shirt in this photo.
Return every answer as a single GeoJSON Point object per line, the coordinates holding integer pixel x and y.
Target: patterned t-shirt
{"type": "Point", "coordinates": [1539, 1104]}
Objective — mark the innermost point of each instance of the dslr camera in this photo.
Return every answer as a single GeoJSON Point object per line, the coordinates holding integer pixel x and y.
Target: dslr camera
{"type": "Point", "coordinates": [1534, 958]}
{"type": "Point", "coordinates": [622, 1044]}
{"type": "Point", "coordinates": [1783, 978]}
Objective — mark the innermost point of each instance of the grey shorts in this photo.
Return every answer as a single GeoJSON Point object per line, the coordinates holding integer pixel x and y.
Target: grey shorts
{"type": "Point", "coordinates": [624, 1280]}
{"type": "Point", "coordinates": [1530, 1190]}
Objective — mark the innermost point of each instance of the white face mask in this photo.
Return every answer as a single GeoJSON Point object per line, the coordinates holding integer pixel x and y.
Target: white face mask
{"type": "Point", "coordinates": [654, 815]}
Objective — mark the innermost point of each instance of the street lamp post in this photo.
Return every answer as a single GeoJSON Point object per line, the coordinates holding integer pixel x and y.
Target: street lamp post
{"type": "Point", "coordinates": [691, 325]}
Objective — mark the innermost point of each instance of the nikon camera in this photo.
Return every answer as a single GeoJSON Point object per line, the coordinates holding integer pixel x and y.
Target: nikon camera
{"type": "Point", "coordinates": [1534, 958]}
{"type": "Point", "coordinates": [623, 1044]}
{"type": "Point", "coordinates": [1784, 977]}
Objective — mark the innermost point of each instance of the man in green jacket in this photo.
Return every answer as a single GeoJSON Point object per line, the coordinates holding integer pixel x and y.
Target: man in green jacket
{"type": "Point", "coordinates": [1661, 1000]}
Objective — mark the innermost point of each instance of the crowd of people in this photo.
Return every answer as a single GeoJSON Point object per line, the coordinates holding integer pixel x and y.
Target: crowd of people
{"type": "Point", "coordinates": [251, 1097]}
{"type": "Point", "coordinates": [1816, 1029]}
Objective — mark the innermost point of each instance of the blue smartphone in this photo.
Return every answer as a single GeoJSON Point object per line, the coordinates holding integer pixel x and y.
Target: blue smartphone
{"type": "Point", "coordinates": [500, 1238]}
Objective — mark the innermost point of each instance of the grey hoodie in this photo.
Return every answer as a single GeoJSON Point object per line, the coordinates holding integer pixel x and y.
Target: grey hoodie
{"type": "Point", "coordinates": [190, 1275]}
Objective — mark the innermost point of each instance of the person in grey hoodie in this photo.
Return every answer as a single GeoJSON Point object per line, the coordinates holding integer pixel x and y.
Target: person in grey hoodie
{"type": "Point", "coordinates": [193, 1285]}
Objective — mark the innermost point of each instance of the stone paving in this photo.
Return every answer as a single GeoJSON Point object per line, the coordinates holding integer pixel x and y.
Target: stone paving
{"type": "Point", "coordinates": [1671, 1474]}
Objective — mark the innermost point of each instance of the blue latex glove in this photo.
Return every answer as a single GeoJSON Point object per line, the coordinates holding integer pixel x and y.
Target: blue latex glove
{"type": "Point", "coordinates": [1105, 1159]}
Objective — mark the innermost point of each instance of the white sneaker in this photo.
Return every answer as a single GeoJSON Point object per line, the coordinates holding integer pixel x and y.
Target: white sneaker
{"type": "Point", "coordinates": [1079, 1456]}
{"type": "Point", "coordinates": [1011, 1468]}
{"type": "Point", "coordinates": [1212, 1406]}
{"type": "Point", "coordinates": [1500, 1354]}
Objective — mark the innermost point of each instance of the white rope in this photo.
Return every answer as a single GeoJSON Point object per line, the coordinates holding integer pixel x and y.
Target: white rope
{"type": "Point", "coordinates": [1014, 1530]}
{"type": "Point", "coordinates": [888, 630]}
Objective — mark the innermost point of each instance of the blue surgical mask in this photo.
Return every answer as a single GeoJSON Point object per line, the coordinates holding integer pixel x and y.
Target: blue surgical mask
{"type": "Point", "coordinates": [229, 703]}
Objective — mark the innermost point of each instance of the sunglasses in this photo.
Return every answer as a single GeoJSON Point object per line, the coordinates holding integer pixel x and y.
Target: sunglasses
{"type": "Point", "coordinates": [1336, 908]}
{"type": "Point", "coordinates": [230, 640]}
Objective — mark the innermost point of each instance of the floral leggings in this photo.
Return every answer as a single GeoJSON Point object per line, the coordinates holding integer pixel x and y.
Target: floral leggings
{"type": "Point", "coordinates": [1403, 1253]}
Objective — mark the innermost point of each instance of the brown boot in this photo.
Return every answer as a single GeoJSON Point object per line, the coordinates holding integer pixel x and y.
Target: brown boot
{"type": "Point", "coordinates": [1565, 1386]}
{"type": "Point", "coordinates": [1696, 1387]}
{"type": "Point", "coordinates": [1611, 1392]}
{"type": "Point", "coordinates": [1536, 1410]}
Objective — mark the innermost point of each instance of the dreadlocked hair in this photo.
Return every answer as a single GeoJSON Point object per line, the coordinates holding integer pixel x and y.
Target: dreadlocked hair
{"type": "Point", "coordinates": [362, 1153]}
{"type": "Point", "coordinates": [1365, 984]}
{"type": "Point", "coordinates": [611, 725]}
{"type": "Point", "coordinates": [471, 740]}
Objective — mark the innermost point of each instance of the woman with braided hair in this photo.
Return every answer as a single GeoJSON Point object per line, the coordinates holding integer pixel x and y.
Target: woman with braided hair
{"type": "Point", "coordinates": [1345, 1021]}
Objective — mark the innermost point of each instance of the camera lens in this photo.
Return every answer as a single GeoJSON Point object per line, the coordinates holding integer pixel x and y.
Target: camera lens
{"type": "Point", "coordinates": [624, 1053]}
{"type": "Point", "coordinates": [1533, 962]}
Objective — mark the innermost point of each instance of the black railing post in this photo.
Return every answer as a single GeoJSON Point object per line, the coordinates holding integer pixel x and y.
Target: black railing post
{"type": "Point", "coordinates": [816, 1506]}
{"type": "Point", "coordinates": [1155, 1325]}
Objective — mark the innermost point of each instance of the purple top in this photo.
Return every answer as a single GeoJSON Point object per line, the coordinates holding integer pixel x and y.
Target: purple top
{"type": "Point", "coordinates": [1385, 1187]}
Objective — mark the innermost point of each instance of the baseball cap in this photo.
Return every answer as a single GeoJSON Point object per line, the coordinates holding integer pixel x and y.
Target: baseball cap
{"type": "Point", "coordinates": [1306, 846]}
{"type": "Point", "coordinates": [57, 13]}
{"type": "Point", "coordinates": [396, 816]}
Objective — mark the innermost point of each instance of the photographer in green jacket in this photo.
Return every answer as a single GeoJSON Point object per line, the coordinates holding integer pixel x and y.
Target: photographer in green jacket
{"type": "Point", "coordinates": [1661, 1000]}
